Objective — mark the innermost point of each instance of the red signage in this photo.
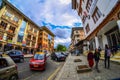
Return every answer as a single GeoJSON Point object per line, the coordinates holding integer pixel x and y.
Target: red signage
{"type": "Point", "coordinates": [1, 38]}
{"type": "Point", "coordinates": [23, 42]}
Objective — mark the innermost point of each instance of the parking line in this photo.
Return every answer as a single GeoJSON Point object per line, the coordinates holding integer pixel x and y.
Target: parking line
{"type": "Point", "coordinates": [22, 70]}
{"type": "Point", "coordinates": [53, 74]}
{"type": "Point", "coordinates": [30, 76]}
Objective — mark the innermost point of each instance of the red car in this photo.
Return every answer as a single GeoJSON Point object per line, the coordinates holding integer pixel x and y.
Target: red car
{"type": "Point", "coordinates": [38, 62]}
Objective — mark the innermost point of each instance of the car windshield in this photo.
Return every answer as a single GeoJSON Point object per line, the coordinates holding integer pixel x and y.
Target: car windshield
{"type": "Point", "coordinates": [39, 56]}
{"type": "Point", "coordinates": [58, 53]}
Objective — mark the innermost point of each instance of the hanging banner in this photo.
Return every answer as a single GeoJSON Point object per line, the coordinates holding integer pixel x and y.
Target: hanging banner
{"type": "Point", "coordinates": [118, 22]}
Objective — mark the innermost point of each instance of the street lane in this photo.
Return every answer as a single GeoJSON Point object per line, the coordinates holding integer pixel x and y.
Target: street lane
{"type": "Point", "coordinates": [26, 74]}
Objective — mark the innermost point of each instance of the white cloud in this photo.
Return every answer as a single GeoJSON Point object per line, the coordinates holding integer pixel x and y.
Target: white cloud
{"type": "Point", "coordinates": [62, 41]}
{"type": "Point", "coordinates": [56, 12]}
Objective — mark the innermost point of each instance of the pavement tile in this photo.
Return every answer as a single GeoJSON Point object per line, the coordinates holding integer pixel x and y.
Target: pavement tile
{"type": "Point", "coordinates": [68, 72]}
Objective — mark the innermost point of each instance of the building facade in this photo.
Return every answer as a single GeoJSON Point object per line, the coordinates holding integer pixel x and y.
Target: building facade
{"type": "Point", "coordinates": [17, 31]}
{"type": "Point", "coordinates": [46, 39]}
{"type": "Point", "coordinates": [77, 35]}
{"type": "Point", "coordinates": [101, 21]}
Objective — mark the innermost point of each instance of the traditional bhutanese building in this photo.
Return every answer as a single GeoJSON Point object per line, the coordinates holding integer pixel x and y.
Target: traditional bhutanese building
{"type": "Point", "coordinates": [46, 39]}
{"type": "Point", "coordinates": [17, 31]}
{"type": "Point", "coordinates": [101, 22]}
{"type": "Point", "coordinates": [77, 35]}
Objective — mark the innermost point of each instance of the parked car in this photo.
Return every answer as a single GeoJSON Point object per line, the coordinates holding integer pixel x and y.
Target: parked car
{"type": "Point", "coordinates": [8, 69]}
{"type": "Point", "coordinates": [64, 53]}
{"type": "Point", "coordinates": [57, 56]}
{"type": "Point", "coordinates": [16, 55]}
{"type": "Point", "coordinates": [38, 62]}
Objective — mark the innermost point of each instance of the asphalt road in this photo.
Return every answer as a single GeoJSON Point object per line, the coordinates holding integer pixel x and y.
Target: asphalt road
{"type": "Point", "coordinates": [25, 73]}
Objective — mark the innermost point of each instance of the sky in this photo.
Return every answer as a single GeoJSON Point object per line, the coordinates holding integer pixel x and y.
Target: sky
{"type": "Point", "coordinates": [57, 15]}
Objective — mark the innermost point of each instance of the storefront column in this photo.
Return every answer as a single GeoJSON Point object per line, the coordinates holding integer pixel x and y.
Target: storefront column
{"type": "Point", "coordinates": [96, 42]}
{"type": "Point", "coordinates": [22, 49]}
{"type": "Point", "coordinates": [88, 47]}
{"type": "Point", "coordinates": [3, 46]}
{"type": "Point", "coordinates": [118, 22]}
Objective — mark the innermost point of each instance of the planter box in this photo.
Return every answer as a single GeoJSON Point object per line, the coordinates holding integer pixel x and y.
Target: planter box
{"type": "Point", "coordinates": [77, 60]}
{"type": "Point", "coordinates": [83, 68]}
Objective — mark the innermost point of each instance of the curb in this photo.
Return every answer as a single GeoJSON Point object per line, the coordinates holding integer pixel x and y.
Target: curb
{"type": "Point", "coordinates": [54, 74]}
{"type": "Point", "coordinates": [116, 62]}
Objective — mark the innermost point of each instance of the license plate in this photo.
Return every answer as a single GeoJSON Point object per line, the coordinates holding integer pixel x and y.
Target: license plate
{"type": "Point", "coordinates": [62, 58]}
{"type": "Point", "coordinates": [35, 65]}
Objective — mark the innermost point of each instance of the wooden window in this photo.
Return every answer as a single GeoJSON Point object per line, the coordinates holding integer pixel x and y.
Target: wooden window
{"type": "Point", "coordinates": [30, 28]}
{"type": "Point", "coordinates": [77, 35]}
{"type": "Point", "coordinates": [83, 19]}
{"type": "Point", "coordinates": [35, 31]}
{"type": "Point", "coordinates": [3, 24]}
{"type": "Point", "coordinates": [40, 33]}
{"type": "Point", "coordinates": [87, 28]}
{"type": "Point", "coordinates": [76, 31]}
{"type": "Point", "coordinates": [34, 38]}
{"type": "Point", "coordinates": [8, 14]}
{"type": "Point", "coordinates": [89, 3]}
{"type": "Point", "coordinates": [15, 19]}
{"type": "Point", "coordinates": [28, 43]}
{"type": "Point", "coordinates": [9, 38]}
{"type": "Point", "coordinates": [12, 29]}
{"type": "Point", "coordinates": [96, 15]}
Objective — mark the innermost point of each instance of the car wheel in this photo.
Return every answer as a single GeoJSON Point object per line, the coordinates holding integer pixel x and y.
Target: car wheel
{"type": "Point", "coordinates": [21, 60]}
{"type": "Point", "coordinates": [13, 77]}
{"type": "Point", "coordinates": [56, 59]}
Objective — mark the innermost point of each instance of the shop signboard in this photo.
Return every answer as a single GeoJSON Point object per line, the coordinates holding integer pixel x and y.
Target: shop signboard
{"type": "Point", "coordinates": [9, 41]}
{"type": "Point", "coordinates": [1, 38]}
{"type": "Point", "coordinates": [36, 46]}
{"type": "Point", "coordinates": [9, 44]}
{"type": "Point", "coordinates": [23, 43]}
{"type": "Point", "coordinates": [5, 37]}
{"type": "Point", "coordinates": [19, 43]}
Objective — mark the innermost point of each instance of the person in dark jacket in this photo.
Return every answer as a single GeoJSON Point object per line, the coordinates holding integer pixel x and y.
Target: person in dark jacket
{"type": "Point", "coordinates": [97, 58]}
{"type": "Point", "coordinates": [107, 56]}
{"type": "Point", "coordinates": [90, 58]}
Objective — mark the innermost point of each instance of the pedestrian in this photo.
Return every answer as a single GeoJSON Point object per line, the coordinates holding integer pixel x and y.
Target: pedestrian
{"type": "Point", "coordinates": [90, 58]}
{"type": "Point", "coordinates": [97, 58]}
{"type": "Point", "coordinates": [99, 49]}
{"type": "Point", "coordinates": [107, 56]}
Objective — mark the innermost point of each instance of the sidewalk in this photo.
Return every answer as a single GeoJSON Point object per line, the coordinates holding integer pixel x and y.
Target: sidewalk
{"type": "Point", "coordinates": [115, 58]}
{"type": "Point", "coordinates": [68, 71]}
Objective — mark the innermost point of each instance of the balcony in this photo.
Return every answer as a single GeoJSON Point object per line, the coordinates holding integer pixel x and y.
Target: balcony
{"type": "Point", "coordinates": [9, 20]}
{"type": "Point", "coordinates": [2, 29]}
{"type": "Point", "coordinates": [28, 39]}
{"type": "Point", "coordinates": [10, 32]}
{"type": "Point", "coordinates": [30, 32]}
{"type": "Point", "coordinates": [34, 39]}
{"type": "Point", "coordinates": [28, 43]}
{"type": "Point", "coordinates": [34, 34]}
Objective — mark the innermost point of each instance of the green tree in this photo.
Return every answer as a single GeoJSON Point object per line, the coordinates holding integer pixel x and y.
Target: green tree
{"type": "Point", "coordinates": [61, 47]}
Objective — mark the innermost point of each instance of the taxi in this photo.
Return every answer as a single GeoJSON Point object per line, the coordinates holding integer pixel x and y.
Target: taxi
{"type": "Point", "coordinates": [38, 62]}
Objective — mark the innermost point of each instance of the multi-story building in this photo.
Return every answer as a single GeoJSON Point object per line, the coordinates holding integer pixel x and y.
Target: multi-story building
{"type": "Point", "coordinates": [101, 21]}
{"type": "Point", "coordinates": [46, 39]}
{"type": "Point", "coordinates": [76, 36]}
{"type": "Point", "coordinates": [17, 31]}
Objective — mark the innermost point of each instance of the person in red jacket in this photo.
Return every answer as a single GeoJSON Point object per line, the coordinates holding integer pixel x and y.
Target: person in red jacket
{"type": "Point", "coordinates": [90, 58]}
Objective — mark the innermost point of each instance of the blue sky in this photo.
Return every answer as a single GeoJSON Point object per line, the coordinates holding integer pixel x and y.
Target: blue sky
{"type": "Point", "coordinates": [57, 15]}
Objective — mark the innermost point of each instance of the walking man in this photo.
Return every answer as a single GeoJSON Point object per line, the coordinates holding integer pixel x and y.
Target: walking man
{"type": "Point", "coordinates": [107, 56]}
{"type": "Point", "coordinates": [97, 58]}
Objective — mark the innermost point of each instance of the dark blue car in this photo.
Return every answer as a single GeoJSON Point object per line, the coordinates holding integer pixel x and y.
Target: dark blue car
{"type": "Point", "coordinates": [57, 56]}
{"type": "Point", "coordinates": [16, 55]}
